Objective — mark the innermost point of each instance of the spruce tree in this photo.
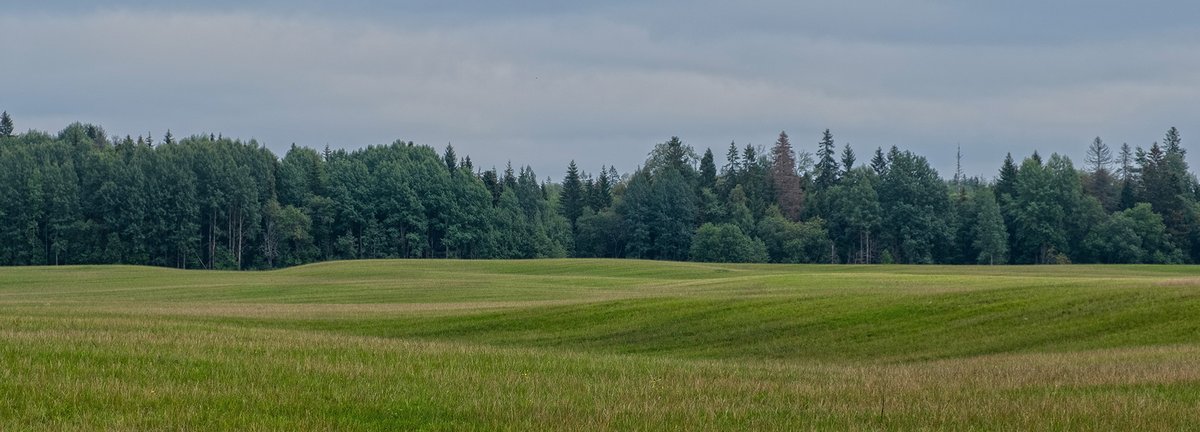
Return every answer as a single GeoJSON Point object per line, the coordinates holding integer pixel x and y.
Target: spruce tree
{"type": "Point", "coordinates": [6, 125]}
{"type": "Point", "coordinates": [708, 170]}
{"type": "Point", "coordinates": [601, 196]}
{"type": "Point", "coordinates": [1126, 161]}
{"type": "Point", "coordinates": [732, 161]}
{"type": "Point", "coordinates": [788, 192]}
{"type": "Point", "coordinates": [827, 166]}
{"type": "Point", "coordinates": [848, 158]}
{"type": "Point", "coordinates": [450, 158]}
{"type": "Point", "coordinates": [571, 199]}
{"type": "Point", "coordinates": [1100, 181]}
{"type": "Point", "coordinates": [879, 162]}
{"type": "Point", "coordinates": [1006, 185]}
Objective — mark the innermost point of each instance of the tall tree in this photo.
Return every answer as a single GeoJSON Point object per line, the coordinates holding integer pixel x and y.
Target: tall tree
{"type": "Point", "coordinates": [990, 237]}
{"type": "Point", "coordinates": [1099, 157]}
{"type": "Point", "coordinates": [732, 161]}
{"type": "Point", "coordinates": [915, 203]}
{"type": "Point", "coordinates": [708, 170]}
{"type": "Point", "coordinates": [789, 194]}
{"type": "Point", "coordinates": [1100, 182]}
{"type": "Point", "coordinates": [450, 159]}
{"type": "Point", "coordinates": [660, 212]}
{"type": "Point", "coordinates": [600, 197]}
{"type": "Point", "coordinates": [879, 162]}
{"type": "Point", "coordinates": [6, 125]}
{"type": "Point", "coordinates": [848, 158]}
{"type": "Point", "coordinates": [855, 216]}
{"type": "Point", "coordinates": [571, 200]}
{"type": "Point", "coordinates": [827, 166]}
{"type": "Point", "coordinates": [1006, 185]}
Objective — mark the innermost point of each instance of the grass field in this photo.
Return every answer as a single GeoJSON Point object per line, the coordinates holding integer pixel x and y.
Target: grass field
{"type": "Point", "coordinates": [599, 344]}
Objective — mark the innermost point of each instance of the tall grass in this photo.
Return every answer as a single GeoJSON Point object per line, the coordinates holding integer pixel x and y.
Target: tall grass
{"type": "Point", "coordinates": [599, 344]}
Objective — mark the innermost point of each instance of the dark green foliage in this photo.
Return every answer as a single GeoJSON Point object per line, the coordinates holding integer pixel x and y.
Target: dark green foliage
{"type": "Point", "coordinates": [660, 212]}
{"type": "Point", "coordinates": [726, 243]}
{"type": "Point", "coordinates": [854, 215]}
{"type": "Point", "coordinates": [848, 158]}
{"type": "Point", "coordinates": [708, 170]}
{"type": "Point", "coordinates": [827, 166]}
{"type": "Point", "coordinates": [794, 242]}
{"type": "Point", "coordinates": [210, 202]}
{"type": "Point", "coordinates": [6, 125]}
{"type": "Point", "coordinates": [879, 162]}
{"type": "Point", "coordinates": [1132, 236]}
{"type": "Point", "coordinates": [989, 238]}
{"type": "Point", "coordinates": [450, 159]}
{"type": "Point", "coordinates": [915, 205]}
{"type": "Point", "coordinates": [1006, 185]}
{"type": "Point", "coordinates": [572, 201]}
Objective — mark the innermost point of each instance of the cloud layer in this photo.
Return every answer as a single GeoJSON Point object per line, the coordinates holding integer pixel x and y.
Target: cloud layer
{"type": "Point", "coordinates": [546, 83]}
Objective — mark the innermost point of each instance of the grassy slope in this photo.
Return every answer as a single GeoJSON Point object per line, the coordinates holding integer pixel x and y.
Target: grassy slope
{"type": "Point", "coordinates": [583, 344]}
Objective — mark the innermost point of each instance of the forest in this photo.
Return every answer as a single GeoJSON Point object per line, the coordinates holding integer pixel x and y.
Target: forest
{"type": "Point", "coordinates": [211, 202]}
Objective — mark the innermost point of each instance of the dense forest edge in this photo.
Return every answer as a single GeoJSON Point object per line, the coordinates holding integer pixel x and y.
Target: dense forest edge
{"type": "Point", "coordinates": [207, 201]}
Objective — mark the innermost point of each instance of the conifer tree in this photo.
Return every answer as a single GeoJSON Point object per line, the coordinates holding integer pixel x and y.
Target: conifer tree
{"type": "Point", "coordinates": [708, 170]}
{"type": "Point", "coordinates": [788, 192]}
{"type": "Point", "coordinates": [848, 158]}
{"type": "Point", "coordinates": [827, 166]}
{"type": "Point", "coordinates": [6, 125]}
{"type": "Point", "coordinates": [879, 162]}
{"type": "Point", "coordinates": [571, 199]}
{"type": "Point", "coordinates": [450, 158]}
{"type": "Point", "coordinates": [732, 161]}
{"type": "Point", "coordinates": [1006, 185]}
{"type": "Point", "coordinates": [990, 236]}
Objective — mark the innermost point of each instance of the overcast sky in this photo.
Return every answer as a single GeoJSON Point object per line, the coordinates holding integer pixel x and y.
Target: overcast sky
{"type": "Point", "coordinates": [544, 82]}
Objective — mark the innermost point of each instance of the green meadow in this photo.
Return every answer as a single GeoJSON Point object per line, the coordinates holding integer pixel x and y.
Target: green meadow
{"type": "Point", "coordinates": [600, 345]}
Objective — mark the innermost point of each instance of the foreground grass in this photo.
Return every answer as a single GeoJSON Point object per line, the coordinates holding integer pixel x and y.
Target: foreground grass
{"type": "Point", "coordinates": [593, 344]}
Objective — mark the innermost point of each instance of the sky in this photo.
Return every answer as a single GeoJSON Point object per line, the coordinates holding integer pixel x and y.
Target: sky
{"type": "Point", "coordinates": [545, 82]}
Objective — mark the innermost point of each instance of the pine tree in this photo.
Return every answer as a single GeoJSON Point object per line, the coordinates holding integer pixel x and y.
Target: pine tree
{"type": "Point", "coordinates": [1173, 142]}
{"type": "Point", "coordinates": [491, 181]}
{"type": "Point", "coordinates": [708, 170]}
{"type": "Point", "coordinates": [571, 200]}
{"type": "Point", "coordinates": [450, 158]}
{"type": "Point", "coordinates": [510, 180]}
{"type": "Point", "coordinates": [1006, 185]}
{"type": "Point", "coordinates": [1126, 169]}
{"type": "Point", "coordinates": [1100, 182]}
{"type": "Point", "coordinates": [827, 166]}
{"type": "Point", "coordinates": [168, 138]}
{"type": "Point", "coordinates": [601, 196]}
{"type": "Point", "coordinates": [1099, 157]}
{"type": "Point", "coordinates": [6, 125]}
{"type": "Point", "coordinates": [879, 162]}
{"type": "Point", "coordinates": [848, 158]}
{"type": "Point", "coordinates": [788, 192]}
{"type": "Point", "coordinates": [732, 161]}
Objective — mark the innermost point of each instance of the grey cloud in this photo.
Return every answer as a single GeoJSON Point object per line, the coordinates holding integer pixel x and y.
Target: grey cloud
{"type": "Point", "coordinates": [546, 83]}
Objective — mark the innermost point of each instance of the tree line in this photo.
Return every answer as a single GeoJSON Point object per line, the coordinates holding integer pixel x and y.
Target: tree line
{"type": "Point", "coordinates": [207, 201]}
